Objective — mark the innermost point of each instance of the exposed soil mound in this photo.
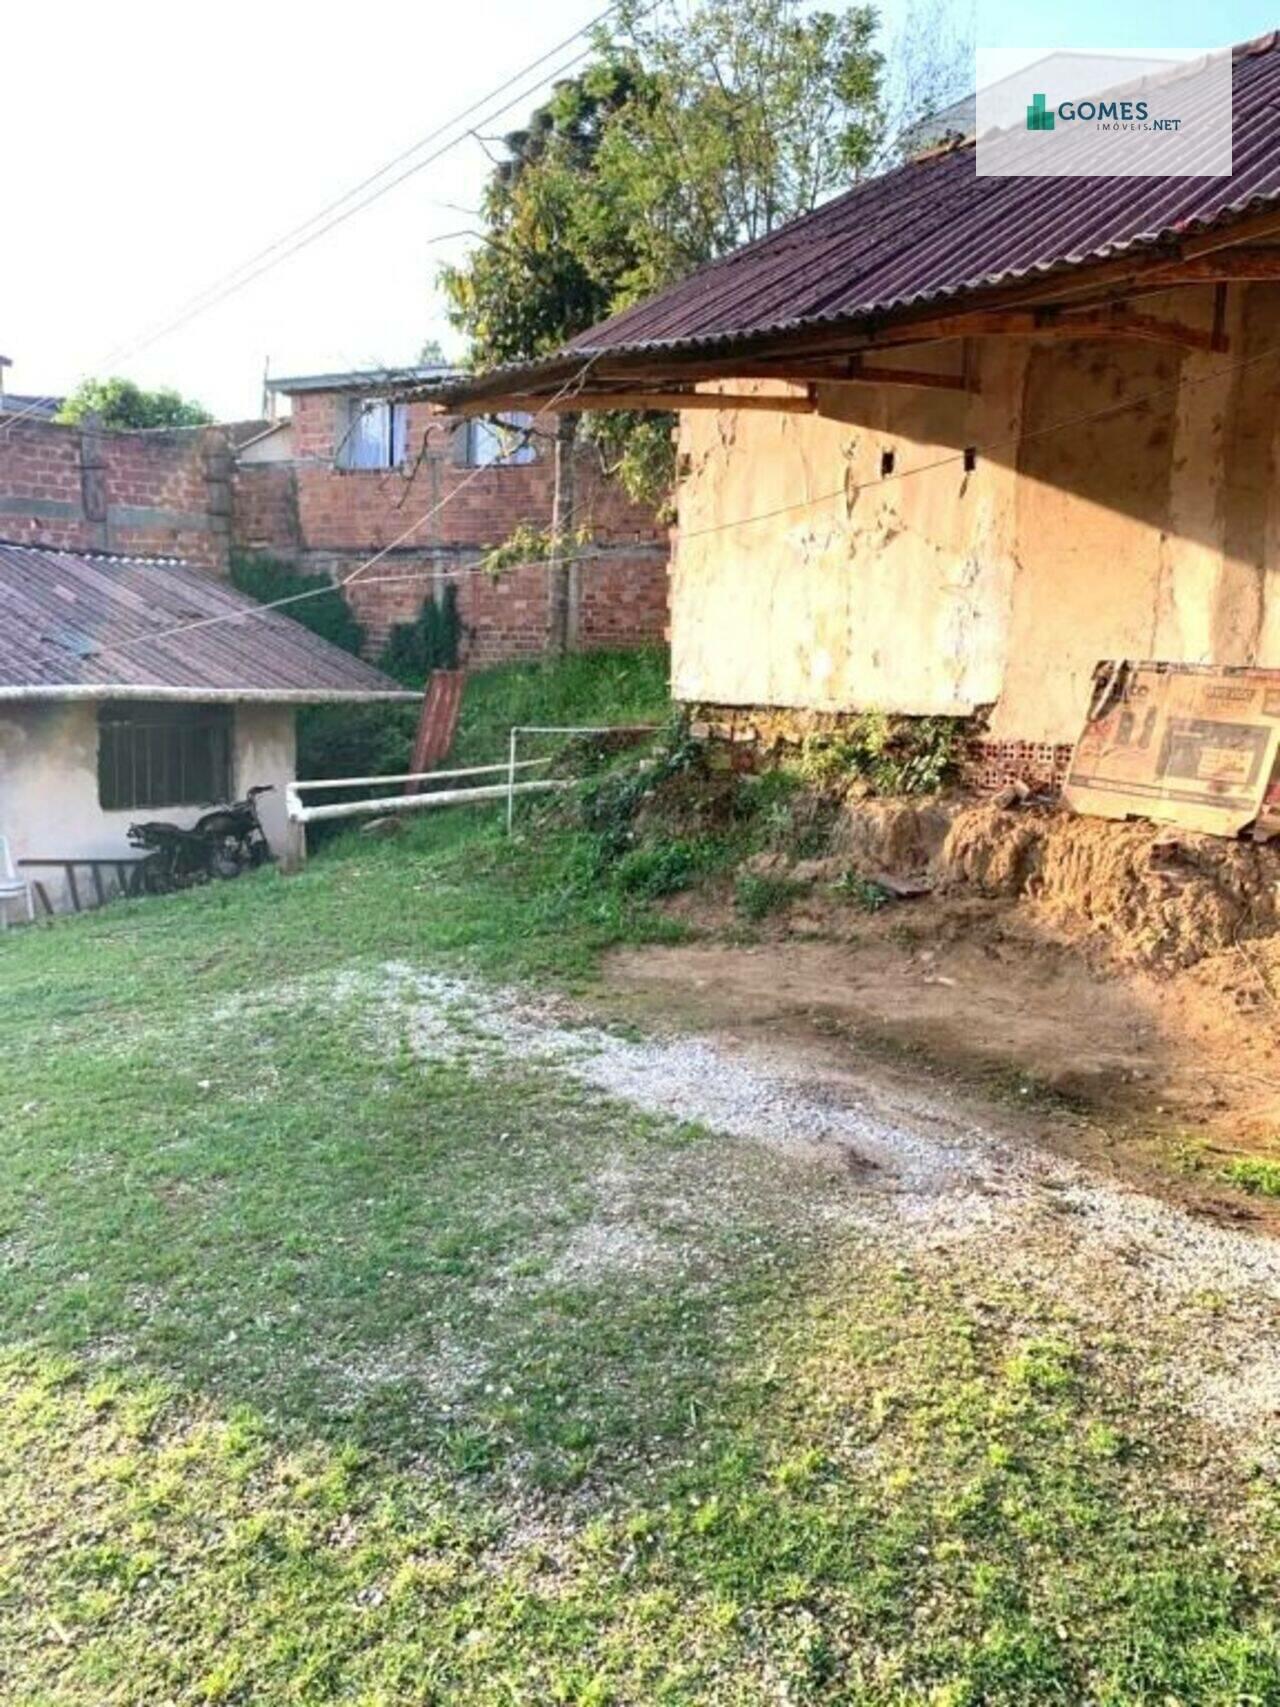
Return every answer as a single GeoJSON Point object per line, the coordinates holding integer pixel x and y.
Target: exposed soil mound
{"type": "Point", "coordinates": [1157, 895]}
{"type": "Point", "coordinates": [904, 837]}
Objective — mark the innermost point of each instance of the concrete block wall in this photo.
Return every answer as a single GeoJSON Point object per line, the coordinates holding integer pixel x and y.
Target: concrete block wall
{"type": "Point", "coordinates": [159, 493]}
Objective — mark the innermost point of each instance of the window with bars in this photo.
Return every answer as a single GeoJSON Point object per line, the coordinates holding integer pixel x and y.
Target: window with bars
{"type": "Point", "coordinates": [163, 755]}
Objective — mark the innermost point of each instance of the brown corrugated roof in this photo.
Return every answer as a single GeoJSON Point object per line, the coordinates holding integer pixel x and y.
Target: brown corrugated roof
{"type": "Point", "coordinates": [76, 625]}
{"type": "Point", "coordinates": [934, 232]}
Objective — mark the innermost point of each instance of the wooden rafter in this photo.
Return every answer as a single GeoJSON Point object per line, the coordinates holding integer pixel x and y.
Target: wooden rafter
{"type": "Point", "coordinates": [1238, 265]}
{"type": "Point", "coordinates": [663, 401]}
{"type": "Point", "coordinates": [917, 378]}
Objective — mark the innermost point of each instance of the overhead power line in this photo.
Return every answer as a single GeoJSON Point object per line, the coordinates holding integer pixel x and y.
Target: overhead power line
{"type": "Point", "coordinates": [354, 201]}
{"type": "Point", "coordinates": [965, 456]}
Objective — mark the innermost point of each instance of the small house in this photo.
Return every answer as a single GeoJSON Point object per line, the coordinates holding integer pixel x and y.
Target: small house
{"type": "Point", "coordinates": [134, 688]}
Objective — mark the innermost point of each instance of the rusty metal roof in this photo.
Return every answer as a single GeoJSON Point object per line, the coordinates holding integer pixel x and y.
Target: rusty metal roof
{"type": "Point", "coordinates": [82, 626]}
{"type": "Point", "coordinates": [933, 230]}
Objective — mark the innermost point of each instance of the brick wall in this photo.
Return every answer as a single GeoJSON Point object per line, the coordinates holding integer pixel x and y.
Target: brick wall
{"type": "Point", "coordinates": [159, 493]}
{"type": "Point", "coordinates": [329, 520]}
{"type": "Point", "coordinates": [265, 509]}
{"type": "Point", "coordinates": [1042, 765]}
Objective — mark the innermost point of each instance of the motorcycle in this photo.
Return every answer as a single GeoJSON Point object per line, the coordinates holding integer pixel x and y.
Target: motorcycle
{"type": "Point", "coordinates": [221, 843]}
{"type": "Point", "coordinates": [238, 841]}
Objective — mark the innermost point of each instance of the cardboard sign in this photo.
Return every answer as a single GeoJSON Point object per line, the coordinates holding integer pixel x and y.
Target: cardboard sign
{"type": "Point", "coordinates": [1188, 744]}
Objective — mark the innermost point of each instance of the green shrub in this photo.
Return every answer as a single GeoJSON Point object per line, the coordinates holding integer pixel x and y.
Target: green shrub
{"type": "Point", "coordinates": [862, 891]}
{"type": "Point", "coordinates": [429, 642]}
{"type": "Point", "coordinates": [756, 895]}
{"type": "Point", "coordinates": [900, 755]}
{"type": "Point", "coordinates": [609, 806]}
{"type": "Point", "coordinates": [662, 869]}
{"type": "Point", "coordinates": [1254, 1175]}
{"type": "Point", "coordinates": [356, 740]}
{"type": "Point", "coordinates": [327, 613]}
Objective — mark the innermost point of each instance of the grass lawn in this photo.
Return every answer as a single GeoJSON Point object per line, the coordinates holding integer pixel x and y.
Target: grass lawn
{"type": "Point", "coordinates": [337, 1371]}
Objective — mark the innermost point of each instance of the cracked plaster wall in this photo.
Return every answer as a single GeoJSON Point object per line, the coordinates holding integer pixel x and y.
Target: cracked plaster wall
{"type": "Point", "coordinates": [1124, 503]}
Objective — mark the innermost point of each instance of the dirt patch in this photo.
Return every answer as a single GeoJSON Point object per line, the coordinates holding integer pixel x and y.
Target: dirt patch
{"type": "Point", "coordinates": [1144, 894]}
{"type": "Point", "coordinates": [1152, 895]}
{"type": "Point", "coordinates": [1134, 1067]}
{"type": "Point", "coordinates": [1119, 969]}
{"type": "Point", "coordinates": [908, 1167]}
{"type": "Point", "coordinates": [905, 837]}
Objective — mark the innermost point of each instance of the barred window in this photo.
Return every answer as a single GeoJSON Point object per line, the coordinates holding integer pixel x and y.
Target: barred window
{"type": "Point", "coordinates": [163, 755]}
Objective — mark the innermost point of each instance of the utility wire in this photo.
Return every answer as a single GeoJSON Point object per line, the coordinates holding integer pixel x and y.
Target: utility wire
{"type": "Point", "coordinates": [576, 383]}
{"type": "Point", "coordinates": [310, 230]}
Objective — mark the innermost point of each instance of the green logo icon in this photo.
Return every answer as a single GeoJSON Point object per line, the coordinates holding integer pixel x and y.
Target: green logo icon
{"type": "Point", "coordinates": [1039, 116]}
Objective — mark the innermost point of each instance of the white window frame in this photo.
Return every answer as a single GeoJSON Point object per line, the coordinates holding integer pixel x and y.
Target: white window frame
{"type": "Point", "coordinates": [373, 433]}
{"type": "Point", "coordinates": [490, 444]}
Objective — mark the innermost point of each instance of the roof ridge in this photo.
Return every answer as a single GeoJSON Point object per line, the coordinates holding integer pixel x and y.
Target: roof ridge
{"type": "Point", "coordinates": [96, 556]}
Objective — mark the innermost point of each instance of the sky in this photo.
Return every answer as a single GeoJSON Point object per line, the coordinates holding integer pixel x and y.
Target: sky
{"type": "Point", "coordinates": [151, 149]}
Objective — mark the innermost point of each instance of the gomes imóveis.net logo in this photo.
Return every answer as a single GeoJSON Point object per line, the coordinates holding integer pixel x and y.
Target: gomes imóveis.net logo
{"type": "Point", "coordinates": [1076, 113]}
{"type": "Point", "coordinates": [1107, 115]}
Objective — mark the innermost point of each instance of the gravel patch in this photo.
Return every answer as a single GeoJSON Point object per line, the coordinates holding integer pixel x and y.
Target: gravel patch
{"type": "Point", "coordinates": [927, 1184]}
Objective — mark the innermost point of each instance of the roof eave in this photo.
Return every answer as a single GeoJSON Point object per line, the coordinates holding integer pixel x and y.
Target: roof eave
{"type": "Point", "coordinates": [591, 367]}
{"type": "Point", "coordinates": [71, 691]}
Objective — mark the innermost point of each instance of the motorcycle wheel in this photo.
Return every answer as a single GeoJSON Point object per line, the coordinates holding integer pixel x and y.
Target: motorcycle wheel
{"type": "Point", "coordinates": [225, 859]}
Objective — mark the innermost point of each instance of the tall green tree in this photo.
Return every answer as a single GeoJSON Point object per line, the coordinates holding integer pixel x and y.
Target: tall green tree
{"type": "Point", "coordinates": [695, 128]}
{"type": "Point", "coordinates": [121, 403]}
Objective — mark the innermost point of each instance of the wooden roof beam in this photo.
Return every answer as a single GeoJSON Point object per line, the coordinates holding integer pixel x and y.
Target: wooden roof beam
{"type": "Point", "coordinates": [1240, 265]}
{"type": "Point", "coordinates": [654, 401]}
{"type": "Point", "coordinates": [1117, 322]}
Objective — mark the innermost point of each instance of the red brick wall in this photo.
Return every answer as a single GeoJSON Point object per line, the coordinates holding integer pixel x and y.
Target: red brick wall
{"type": "Point", "coordinates": [451, 515]}
{"type": "Point", "coordinates": [265, 508]}
{"type": "Point", "coordinates": [622, 602]}
{"type": "Point", "coordinates": [149, 493]}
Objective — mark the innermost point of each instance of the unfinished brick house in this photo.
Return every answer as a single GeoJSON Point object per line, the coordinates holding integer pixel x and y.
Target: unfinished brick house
{"type": "Point", "coordinates": [348, 471]}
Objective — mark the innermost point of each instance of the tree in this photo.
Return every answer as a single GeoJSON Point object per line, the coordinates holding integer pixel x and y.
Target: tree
{"type": "Point", "coordinates": [693, 130]}
{"type": "Point", "coordinates": [121, 403]}
{"type": "Point", "coordinates": [929, 67]}
{"type": "Point", "coordinates": [539, 274]}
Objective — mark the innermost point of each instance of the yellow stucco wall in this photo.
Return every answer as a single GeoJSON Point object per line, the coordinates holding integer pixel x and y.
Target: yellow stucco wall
{"type": "Point", "coordinates": [1124, 503]}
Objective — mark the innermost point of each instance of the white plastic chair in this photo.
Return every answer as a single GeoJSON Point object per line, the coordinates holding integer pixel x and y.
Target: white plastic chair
{"type": "Point", "coordinates": [13, 887]}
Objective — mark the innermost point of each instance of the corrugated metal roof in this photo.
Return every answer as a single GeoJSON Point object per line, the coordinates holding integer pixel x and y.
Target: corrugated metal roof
{"type": "Point", "coordinates": [362, 379]}
{"type": "Point", "coordinates": [76, 625]}
{"type": "Point", "coordinates": [933, 230]}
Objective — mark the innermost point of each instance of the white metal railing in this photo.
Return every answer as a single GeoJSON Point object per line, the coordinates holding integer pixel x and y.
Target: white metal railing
{"type": "Point", "coordinates": [506, 790]}
{"type": "Point", "coordinates": [300, 814]}
{"type": "Point", "coordinates": [513, 765]}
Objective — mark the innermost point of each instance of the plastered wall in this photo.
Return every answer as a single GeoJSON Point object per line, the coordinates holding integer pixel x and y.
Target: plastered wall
{"type": "Point", "coordinates": [49, 783]}
{"type": "Point", "coordinates": [1123, 503]}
